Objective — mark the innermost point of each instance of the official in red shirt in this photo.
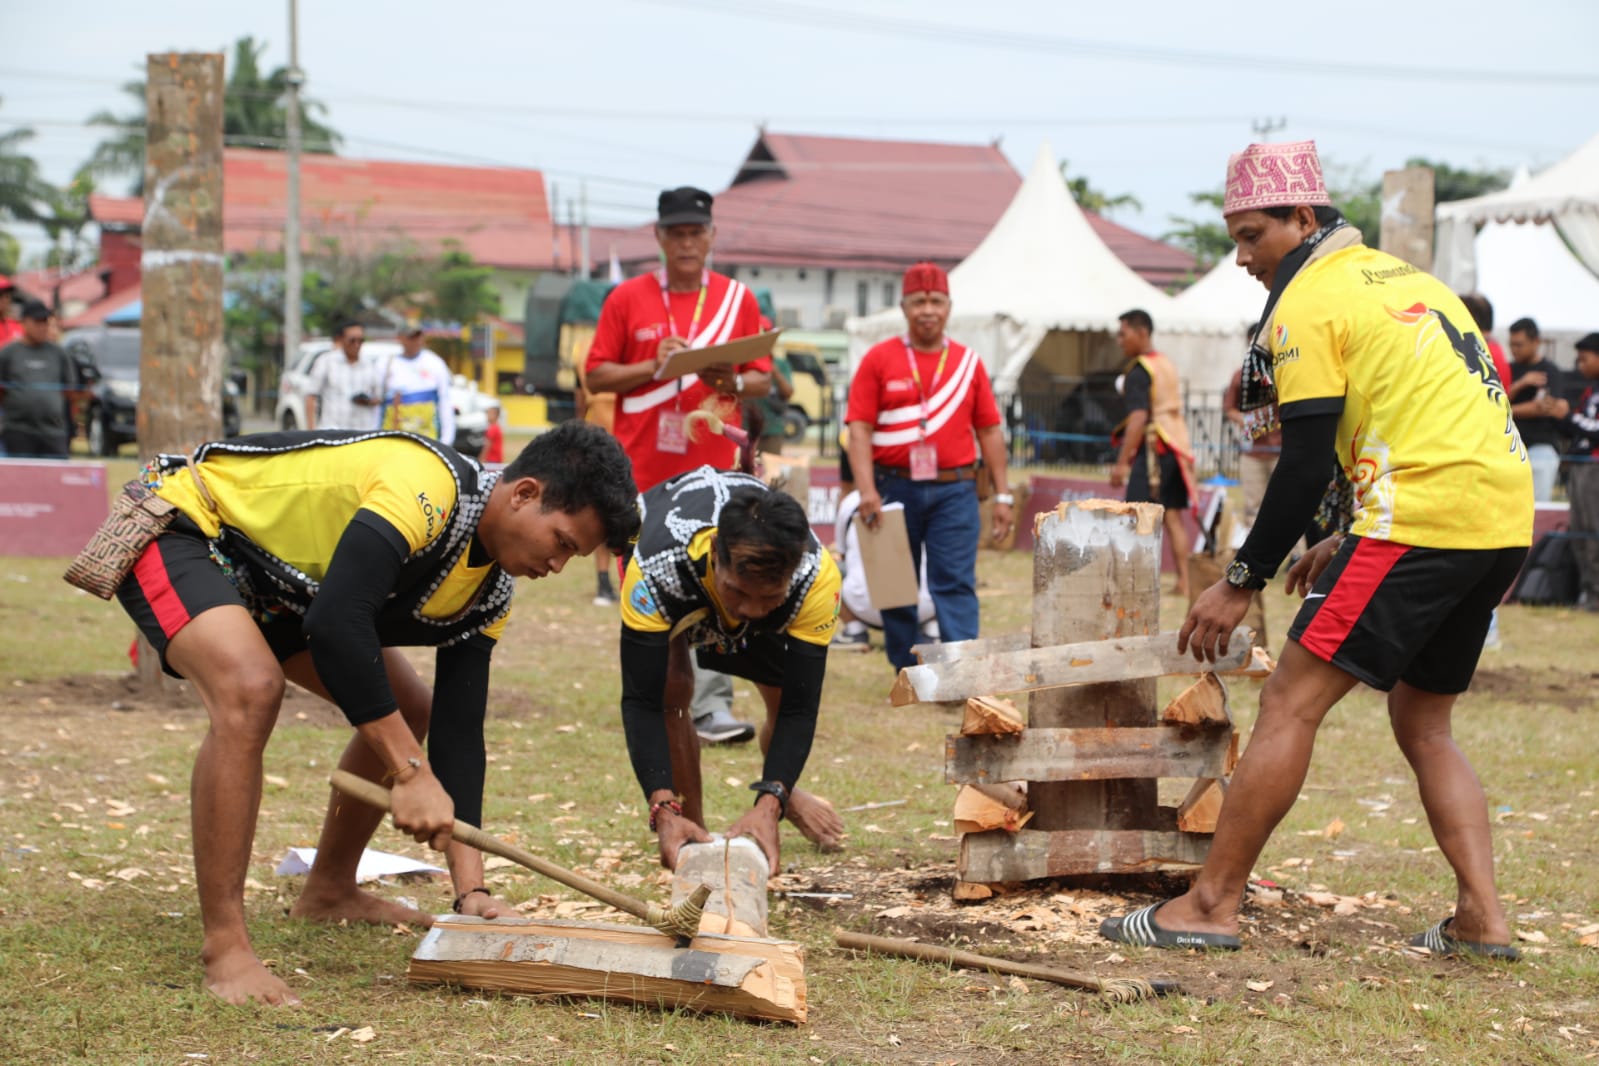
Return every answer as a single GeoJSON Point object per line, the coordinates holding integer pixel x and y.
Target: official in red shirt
{"type": "Point", "coordinates": [646, 319]}
{"type": "Point", "coordinates": [920, 408]}
{"type": "Point", "coordinates": [10, 328]}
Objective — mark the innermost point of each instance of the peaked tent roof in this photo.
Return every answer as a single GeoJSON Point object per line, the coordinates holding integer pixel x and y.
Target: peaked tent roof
{"type": "Point", "coordinates": [500, 215]}
{"type": "Point", "coordinates": [1569, 186]}
{"type": "Point", "coordinates": [1226, 296]}
{"type": "Point", "coordinates": [1527, 271]}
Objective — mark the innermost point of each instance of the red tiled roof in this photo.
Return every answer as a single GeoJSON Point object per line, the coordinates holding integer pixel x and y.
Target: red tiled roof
{"type": "Point", "coordinates": [83, 287]}
{"type": "Point", "coordinates": [98, 311]}
{"type": "Point", "coordinates": [880, 205]}
{"type": "Point", "coordinates": [498, 214]}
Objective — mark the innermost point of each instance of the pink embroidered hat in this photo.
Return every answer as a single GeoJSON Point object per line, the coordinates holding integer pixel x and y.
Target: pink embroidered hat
{"type": "Point", "coordinates": [1275, 175]}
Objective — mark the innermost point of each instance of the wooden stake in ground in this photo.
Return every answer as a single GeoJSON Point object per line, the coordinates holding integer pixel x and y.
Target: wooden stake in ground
{"type": "Point", "coordinates": [180, 362]}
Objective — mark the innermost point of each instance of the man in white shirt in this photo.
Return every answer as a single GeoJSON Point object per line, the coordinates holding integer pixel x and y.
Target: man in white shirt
{"type": "Point", "coordinates": [416, 391]}
{"type": "Point", "coordinates": [342, 392]}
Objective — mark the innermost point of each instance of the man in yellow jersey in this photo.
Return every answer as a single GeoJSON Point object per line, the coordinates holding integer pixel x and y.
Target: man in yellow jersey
{"type": "Point", "coordinates": [730, 570]}
{"type": "Point", "coordinates": [1364, 356]}
{"type": "Point", "coordinates": [313, 557]}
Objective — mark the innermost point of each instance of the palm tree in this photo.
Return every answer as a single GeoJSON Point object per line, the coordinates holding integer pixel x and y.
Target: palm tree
{"type": "Point", "coordinates": [253, 115]}
{"type": "Point", "coordinates": [24, 196]}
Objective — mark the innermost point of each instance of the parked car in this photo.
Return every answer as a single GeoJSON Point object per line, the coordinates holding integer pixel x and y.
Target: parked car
{"type": "Point", "coordinates": [108, 363]}
{"type": "Point", "coordinates": [471, 403]}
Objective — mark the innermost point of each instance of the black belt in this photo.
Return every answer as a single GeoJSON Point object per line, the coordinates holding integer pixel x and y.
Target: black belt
{"type": "Point", "coordinates": [948, 473]}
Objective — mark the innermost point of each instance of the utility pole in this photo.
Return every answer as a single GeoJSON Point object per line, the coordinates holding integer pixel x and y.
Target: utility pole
{"type": "Point", "coordinates": [292, 272]}
{"type": "Point", "coordinates": [1265, 127]}
{"type": "Point", "coordinates": [583, 196]}
{"type": "Point", "coordinates": [180, 358]}
{"type": "Point", "coordinates": [555, 226]}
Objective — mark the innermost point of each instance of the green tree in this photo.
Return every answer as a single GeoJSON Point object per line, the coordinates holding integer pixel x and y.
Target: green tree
{"type": "Point", "coordinates": [253, 115]}
{"type": "Point", "coordinates": [1206, 237]}
{"type": "Point", "coordinates": [1458, 183]}
{"type": "Point", "coordinates": [25, 196]}
{"type": "Point", "coordinates": [68, 217]}
{"type": "Point", "coordinates": [460, 289]}
{"type": "Point", "coordinates": [1095, 200]}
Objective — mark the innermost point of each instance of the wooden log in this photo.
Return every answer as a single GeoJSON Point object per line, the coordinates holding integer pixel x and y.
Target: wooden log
{"type": "Point", "coordinates": [745, 976]}
{"type": "Point", "coordinates": [1088, 662]}
{"type": "Point", "coordinates": [1202, 806]}
{"type": "Point", "coordinates": [736, 871]}
{"type": "Point", "coordinates": [960, 649]}
{"type": "Point", "coordinates": [1260, 664]}
{"type": "Point", "coordinates": [978, 810]}
{"type": "Point", "coordinates": [1406, 227]}
{"type": "Point", "coordinates": [986, 715]}
{"type": "Point", "coordinates": [1033, 853]}
{"type": "Point", "coordinates": [1041, 755]}
{"type": "Point", "coordinates": [1203, 704]}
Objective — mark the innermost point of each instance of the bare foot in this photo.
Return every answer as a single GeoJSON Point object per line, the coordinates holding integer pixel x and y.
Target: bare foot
{"type": "Point", "coordinates": [816, 819]}
{"type": "Point", "coordinates": [355, 905]}
{"type": "Point", "coordinates": [236, 976]}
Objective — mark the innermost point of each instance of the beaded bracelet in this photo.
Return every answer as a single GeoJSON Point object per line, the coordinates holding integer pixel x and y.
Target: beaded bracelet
{"type": "Point", "coordinates": [655, 811]}
{"type": "Point", "coordinates": [456, 906]}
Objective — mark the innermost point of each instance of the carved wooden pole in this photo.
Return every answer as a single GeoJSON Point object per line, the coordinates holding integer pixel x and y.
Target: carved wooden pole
{"type": "Point", "coordinates": [1407, 209]}
{"type": "Point", "coordinates": [180, 367]}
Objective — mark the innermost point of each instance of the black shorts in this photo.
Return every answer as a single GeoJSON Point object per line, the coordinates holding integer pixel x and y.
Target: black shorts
{"type": "Point", "coordinates": [176, 580]}
{"type": "Point", "coordinates": [1173, 489]}
{"type": "Point", "coordinates": [760, 661]}
{"type": "Point", "coordinates": [1385, 612]}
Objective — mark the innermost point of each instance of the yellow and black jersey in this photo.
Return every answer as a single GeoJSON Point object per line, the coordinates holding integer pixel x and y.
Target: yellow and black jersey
{"type": "Point", "coordinates": [1424, 429]}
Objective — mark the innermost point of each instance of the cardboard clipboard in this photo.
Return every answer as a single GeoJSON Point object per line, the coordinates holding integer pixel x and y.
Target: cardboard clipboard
{"type": "Point", "coordinates": [886, 559]}
{"type": "Point", "coordinates": [744, 350]}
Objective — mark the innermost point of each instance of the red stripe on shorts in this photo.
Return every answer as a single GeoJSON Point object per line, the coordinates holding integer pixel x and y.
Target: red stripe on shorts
{"type": "Point", "coordinates": [1368, 565]}
{"type": "Point", "coordinates": [151, 573]}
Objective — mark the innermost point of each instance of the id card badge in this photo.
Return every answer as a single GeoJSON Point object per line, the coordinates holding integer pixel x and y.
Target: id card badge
{"type": "Point", "coordinates": [924, 462]}
{"type": "Point", "coordinates": [671, 433]}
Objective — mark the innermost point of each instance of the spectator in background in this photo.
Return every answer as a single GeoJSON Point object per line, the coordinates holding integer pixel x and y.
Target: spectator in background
{"type": "Point", "coordinates": [494, 441]}
{"type": "Point", "coordinates": [416, 391]}
{"type": "Point", "coordinates": [1535, 403]}
{"type": "Point", "coordinates": [1482, 313]}
{"type": "Point", "coordinates": [1581, 425]}
{"type": "Point", "coordinates": [10, 328]}
{"type": "Point", "coordinates": [38, 381]}
{"type": "Point", "coordinates": [774, 404]}
{"type": "Point", "coordinates": [1155, 461]}
{"type": "Point", "coordinates": [341, 392]}
{"type": "Point", "coordinates": [599, 409]}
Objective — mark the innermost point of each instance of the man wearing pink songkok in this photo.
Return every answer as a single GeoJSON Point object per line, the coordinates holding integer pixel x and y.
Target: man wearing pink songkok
{"type": "Point", "coordinates": [1365, 359]}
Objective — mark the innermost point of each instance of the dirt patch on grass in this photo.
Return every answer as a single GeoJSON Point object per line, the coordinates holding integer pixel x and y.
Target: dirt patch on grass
{"type": "Point", "coordinates": [1573, 689]}
{"type": "Point", "coordinates": [82, 695]}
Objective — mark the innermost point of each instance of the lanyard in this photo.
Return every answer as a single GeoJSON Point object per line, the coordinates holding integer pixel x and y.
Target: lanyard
{"type": "Point", "coordinates": [699, 306]}
{"type": "Point", "coordinates": [916, 375]}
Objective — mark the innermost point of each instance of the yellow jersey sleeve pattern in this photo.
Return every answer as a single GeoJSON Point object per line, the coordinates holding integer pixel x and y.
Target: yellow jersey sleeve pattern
{"type": "Point", "coordinates": [1307, 357]}
{"type": "Point", "coordinates": [818, 614]}
{"type": "Point", "coordinates": [640, 612]}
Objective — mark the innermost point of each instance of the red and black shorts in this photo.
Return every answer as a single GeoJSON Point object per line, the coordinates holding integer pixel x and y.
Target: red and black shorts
{"type": "Point", "coordinates": [1385, 612]}
{"type": "Point", "coordinates": [176, 580]}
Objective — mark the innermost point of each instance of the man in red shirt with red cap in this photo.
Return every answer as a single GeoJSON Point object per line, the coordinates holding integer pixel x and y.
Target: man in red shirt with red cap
{"type": "Point", "coordinates": [645, 319]}
{"type": "Point", "coordinates": [920, 408]}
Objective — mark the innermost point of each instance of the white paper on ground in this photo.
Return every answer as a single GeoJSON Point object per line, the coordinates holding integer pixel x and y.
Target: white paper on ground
{"type": "Point", "coordinates": [373, 864]}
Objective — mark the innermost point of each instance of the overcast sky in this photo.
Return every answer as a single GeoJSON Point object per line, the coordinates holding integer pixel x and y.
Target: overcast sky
{"type": "Point", "coordinates": [1146, 98]}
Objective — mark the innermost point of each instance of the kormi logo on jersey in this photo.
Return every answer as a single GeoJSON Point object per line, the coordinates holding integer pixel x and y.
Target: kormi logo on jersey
{"type": "Point", "coordinates": [435, 516]}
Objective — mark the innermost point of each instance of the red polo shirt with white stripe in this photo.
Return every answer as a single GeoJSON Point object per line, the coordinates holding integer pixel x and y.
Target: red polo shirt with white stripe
{"type": "Point", "coordinates": [632, 325]}
{"type": "Point", "coordinates": [884, 395]}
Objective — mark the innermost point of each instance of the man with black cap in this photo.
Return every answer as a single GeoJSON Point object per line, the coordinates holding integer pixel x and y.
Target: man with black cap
{"type": "Point", "coordinates": [684, 304]}
{"type": "Point", "coordinates": [37, 382]}
{"type": "Point", "coordinates": [416, 391]}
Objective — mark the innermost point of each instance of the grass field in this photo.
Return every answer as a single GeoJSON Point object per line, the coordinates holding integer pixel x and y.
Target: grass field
{"type": "Point", "coordinates": [99, 930]}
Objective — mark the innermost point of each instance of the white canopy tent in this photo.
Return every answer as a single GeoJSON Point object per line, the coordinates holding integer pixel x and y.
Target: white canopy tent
{"type": "Point", "coordinates": [1041, 295]}
{"type": "Point", "coordinates": [1566, 194]}
{"type": "Point", "coordinates": [1226, 296]}
{"type": "Point", "coordinates": [1527, 271]}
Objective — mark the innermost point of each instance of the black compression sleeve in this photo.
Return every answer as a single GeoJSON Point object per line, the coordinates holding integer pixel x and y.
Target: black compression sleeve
{"type": "Point", "coordinates": [1297, 485]}
{"type": "Point", "coordinates": [804, 667]}
{"type": "Point", "coordinates": [455, 735]}
{"type": "Point", "coordinates": [644, 657]}
{"type": "Point", "coordinates": [341, 623]}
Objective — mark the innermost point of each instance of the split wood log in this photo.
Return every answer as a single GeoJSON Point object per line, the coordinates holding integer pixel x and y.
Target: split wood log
{"type": "Point", "coordinates": [1028, 670]}
{"type": "Point", "coordinates": [949, 651]}
{"type": "Point", "coordinates": [1035, 853]}
{"type": "Point", "coordinates": [736, 872]}
{"type": "Point", "coordinates": [977, 810]}
{"type": "Point", "coordinates": [991, 715]}
{"type": "Point", "coordinates": [1040, 755]}
{"type": "Point", "coordinates": [1260, 664]}
{"type": "Point", "coordinates": [745, 976]}
{"type": "Point", "coordinates": [1204, 703]}
{"type": "Point", "coordinates": [1202, 806]}
{"type": "Point", "coordinates": [1117, 990]}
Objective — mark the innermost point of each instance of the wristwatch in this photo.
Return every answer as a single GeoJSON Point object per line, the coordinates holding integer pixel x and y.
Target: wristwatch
{"type": "Point", "coordinates": [773, 788]}
{"type": "Point", "coordinates": [1240, 576]}
{"type": "Point", "coordinates": [1005, 498]}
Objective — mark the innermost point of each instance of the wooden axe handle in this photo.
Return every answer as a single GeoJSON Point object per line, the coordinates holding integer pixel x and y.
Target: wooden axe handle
{"type": "Point", "coordinates": [377, 796]}
{"type": "Point", "coordinates": [952, 957]}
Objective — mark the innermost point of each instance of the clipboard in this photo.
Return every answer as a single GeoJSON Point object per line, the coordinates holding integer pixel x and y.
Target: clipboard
{"type": "Point", "coordinates": [886, 559]}
{"type": "Point", "coordinates": [744, 350]}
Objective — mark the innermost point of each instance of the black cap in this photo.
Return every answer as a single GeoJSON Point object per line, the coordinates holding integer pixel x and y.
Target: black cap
{"type": "Point", "coordinates": [686, 206]}
{"type": "Point", "coordinates": [35, 311]}
{"type": "Point", "coordinates": [1590, 343]}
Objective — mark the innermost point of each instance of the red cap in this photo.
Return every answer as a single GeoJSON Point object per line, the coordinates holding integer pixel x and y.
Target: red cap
{"type": "Point", "coordinates": [5, 283]}
{"type": "Point", "coordinates": [925, 277]}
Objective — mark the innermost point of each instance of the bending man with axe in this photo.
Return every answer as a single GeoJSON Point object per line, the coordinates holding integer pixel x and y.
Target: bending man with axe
{"type": "Point", "coordinates": [729, 569]}
{"type": "Point", "coordinates": [314, 557]}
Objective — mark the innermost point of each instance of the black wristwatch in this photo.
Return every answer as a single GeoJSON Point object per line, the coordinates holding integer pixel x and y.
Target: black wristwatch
{"type": "Point", "coordinates": [773, 788]}
{"type": "Point", "coordinates": [1240, 576]}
